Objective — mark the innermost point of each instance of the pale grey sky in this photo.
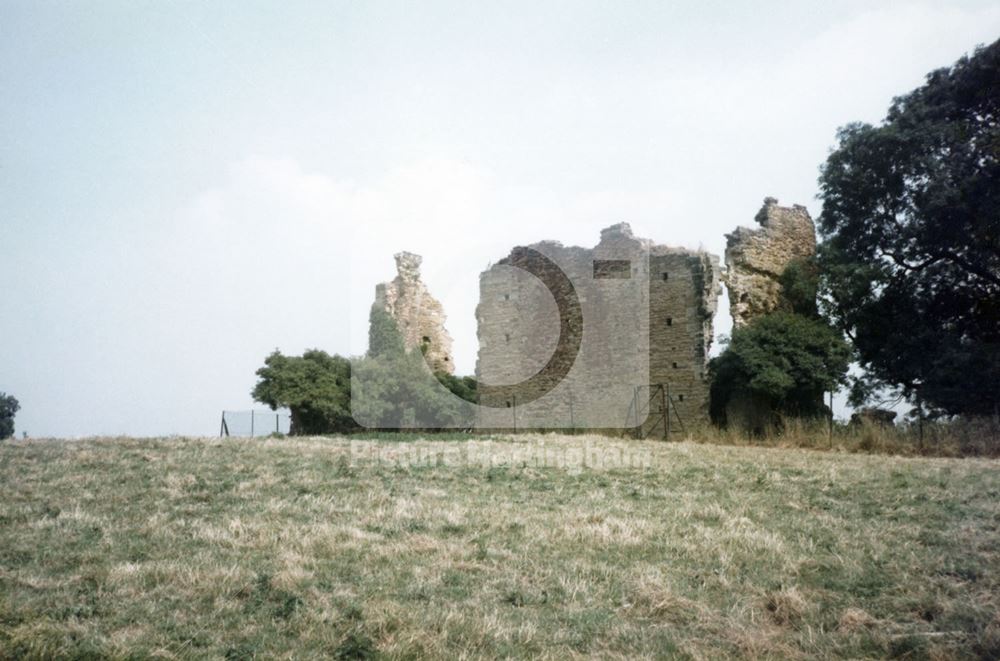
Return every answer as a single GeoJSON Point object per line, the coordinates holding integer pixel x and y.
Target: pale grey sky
{"type": "Point", "coordinates": [186, 186]}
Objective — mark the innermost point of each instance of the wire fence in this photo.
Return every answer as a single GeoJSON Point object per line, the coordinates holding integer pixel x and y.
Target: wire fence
{"type": "Point", "coordinates": [254, 423]}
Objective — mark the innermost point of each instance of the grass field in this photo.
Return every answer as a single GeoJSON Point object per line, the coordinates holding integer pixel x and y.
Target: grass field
{"type": "Point", "coordinates": [179, 548]}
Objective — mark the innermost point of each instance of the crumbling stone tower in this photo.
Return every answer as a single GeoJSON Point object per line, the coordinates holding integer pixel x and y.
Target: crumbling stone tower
{"type": "Point", "coordinates": [684, 289]}
{"type": "Point", "coordinates": [755, 259]}
{"type": "Point", "coordinates": [418, 315]}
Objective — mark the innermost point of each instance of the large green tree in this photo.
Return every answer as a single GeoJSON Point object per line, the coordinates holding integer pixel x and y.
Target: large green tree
{"type": "Point", "coordinates": [315, 387]}
{"type": "Point", "coordinates": [9, 406]}
{"type": "Point", "coordinates": [911, 240]}
{"type": "Point", "coordinates": [780, 365]}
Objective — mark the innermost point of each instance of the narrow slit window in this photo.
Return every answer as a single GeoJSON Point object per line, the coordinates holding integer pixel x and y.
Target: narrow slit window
{"type": "Point", "coordinates": [670, 321]}
{"type": "Point", "coordinates": [666, 276]}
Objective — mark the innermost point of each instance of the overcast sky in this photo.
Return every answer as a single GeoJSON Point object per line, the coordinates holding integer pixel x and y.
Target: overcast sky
{"type": "Point", "coordinates": [186, 186]}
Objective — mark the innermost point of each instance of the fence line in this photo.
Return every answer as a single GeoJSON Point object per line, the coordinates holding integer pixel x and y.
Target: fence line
{"type": "Point", "coordinates": [254, 423]}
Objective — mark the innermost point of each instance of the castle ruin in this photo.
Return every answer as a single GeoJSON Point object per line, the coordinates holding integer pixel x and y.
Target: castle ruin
{"type": "Point", "coordinates": [630, 289]}
{"type": "Point", "coordinates": [418, 315]}
{"type": "Point", "coordinates": [588, 328]}
{"type": "Point", "coordinates": [756, 258]}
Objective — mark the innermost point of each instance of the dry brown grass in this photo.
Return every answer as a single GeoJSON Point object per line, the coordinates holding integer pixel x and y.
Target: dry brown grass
{"type": "Point", "coordinates": [976, 437]}
{"type": "Point", "coordinates": [295, 548]}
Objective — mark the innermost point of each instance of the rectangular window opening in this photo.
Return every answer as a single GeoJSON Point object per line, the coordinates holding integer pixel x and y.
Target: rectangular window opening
{"type": "Point", "coordinates": [614, 269]}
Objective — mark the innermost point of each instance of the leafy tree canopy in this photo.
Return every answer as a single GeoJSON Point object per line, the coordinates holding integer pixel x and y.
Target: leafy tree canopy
{"type": "Point", "coordinates": [783, 361]}
{"type": "Point", "coordinates": [8, 407]}
{"type": "Point", "coordinates": [384, 338]}
{"type": "Point", "coordinates": [799, 286]}
{"type": "Point", "coordinates": [395, 388]}
{"type": "Point", "coordinates": [911, 229]}
{"type": "Point", "coordinates": [465, 387]}
{"type": "Point", "coordinates": [398, 391]}
{"type": "Point", "coordinates": [315, 387]}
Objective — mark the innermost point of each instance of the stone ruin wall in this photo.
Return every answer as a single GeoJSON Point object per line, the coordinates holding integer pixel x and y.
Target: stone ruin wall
{"type": "Point", "coordinates": [517, 328]}
{"type": "Point", "coordinates": [683, 298]}
{"type": "Point", "coordinates": [756, 258]}
{"type": "Point", "coordinates": [418, 315]}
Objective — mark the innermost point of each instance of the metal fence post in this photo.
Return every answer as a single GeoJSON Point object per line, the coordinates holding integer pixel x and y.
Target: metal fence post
{"type": "Point", "coordinates": [572, 418]}
{"type": "Point", "coordinates": [831, 419]}
{"type": "Point", "coordinates": [665, 395]}
{"type": "Point", "coordinates": [514, 409]}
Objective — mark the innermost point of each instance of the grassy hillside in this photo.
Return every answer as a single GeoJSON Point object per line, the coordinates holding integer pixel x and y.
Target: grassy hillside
{"type": "Point", "coordinates": [203, 548]}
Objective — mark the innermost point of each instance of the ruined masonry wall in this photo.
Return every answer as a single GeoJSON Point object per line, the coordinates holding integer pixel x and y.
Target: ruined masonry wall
{"type": "Point", "coordinates": [681, 311]}
{"type": "Point", "coordinates": [518, 321]}
{"type": "Point", "coordinates": [516, 326]}
{"type": "Point", "coordinates": [755, 259]}
{"type": "Point", "coordinates": [418, 315]}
